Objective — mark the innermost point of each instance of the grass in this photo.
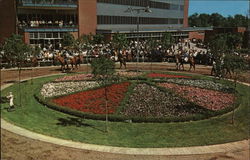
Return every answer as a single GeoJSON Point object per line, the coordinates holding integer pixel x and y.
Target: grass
{"type": "Point", "coordinates": [35, 117]}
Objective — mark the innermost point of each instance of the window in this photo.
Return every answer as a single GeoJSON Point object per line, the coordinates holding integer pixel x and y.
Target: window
{"type": "Point", "coordinates": [133, 20]}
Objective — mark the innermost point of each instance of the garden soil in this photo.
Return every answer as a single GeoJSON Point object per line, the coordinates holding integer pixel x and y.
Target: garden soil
{"type": "Point", "coordinates": [16, 147]}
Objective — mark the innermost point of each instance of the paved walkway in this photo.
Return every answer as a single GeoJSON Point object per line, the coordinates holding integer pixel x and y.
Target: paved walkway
{"type": "Point", "coordinates": [220, 148]}
{"type": "Point", "coordinates": [211, 149]}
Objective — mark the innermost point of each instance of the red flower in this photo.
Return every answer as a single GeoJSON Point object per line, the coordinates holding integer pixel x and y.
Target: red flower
{"type": "Point", "coordinates": [93, 101]}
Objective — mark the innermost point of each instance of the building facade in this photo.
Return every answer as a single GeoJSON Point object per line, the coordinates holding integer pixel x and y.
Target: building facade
{"type": "Point", "coordinates": [45, 21]}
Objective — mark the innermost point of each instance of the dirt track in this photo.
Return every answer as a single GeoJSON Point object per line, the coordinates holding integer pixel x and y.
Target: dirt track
{"type": "Point", "coordinates": [15, 147]}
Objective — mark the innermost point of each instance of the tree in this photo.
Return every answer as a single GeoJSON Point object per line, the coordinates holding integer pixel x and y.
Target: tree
{"type": "Point", "coordinates": [237, 65]}
{"type": "Point", "coordinates": [167, 40]}
{"type": "Point", "coordinates": [103, 70]}
{"type": "Point", "coordinates": [84, 44]}
{"type": "Point", "coordinates": [17, 52]}
{"type": "Point", "coordinates": [119, 41]}
{"type": "Point", "coordinates": [152, 44]}
{"type": "Point", "coordinates": [218, 46]}
{"type": "Point", "coordinates": [97, 39]}
{"type": "Point", "coordinates": [216, 20]}
{"type": "Point", "coordinates": [240, 20]}
{"type": "Point", "coordinates": [35, 51]}
{"type": "Point", "coordinates": [234, 40]}
{"type": "Point", "coordinates": [204, 20]}
{"type": "Point", "coordinates": [68, 40]}
{"type": "Point", "coordinates": [193, 20]}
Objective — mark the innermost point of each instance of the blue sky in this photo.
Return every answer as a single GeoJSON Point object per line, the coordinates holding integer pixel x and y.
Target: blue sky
{"type": "Point", "coordinates": [223, 7]}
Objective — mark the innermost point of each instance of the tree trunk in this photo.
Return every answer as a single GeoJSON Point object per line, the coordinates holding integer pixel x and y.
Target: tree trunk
{"type": "Point", "coordinates": [19, 84]}
{"type": "Point", "coordinates": [106, 108]}
{"type": "Point", "coordinates": [235, 85]}
{"type": "Point", "coordinates": [32, 70]}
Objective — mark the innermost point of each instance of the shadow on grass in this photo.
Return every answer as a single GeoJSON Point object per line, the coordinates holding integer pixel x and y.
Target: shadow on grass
{"type": "Point", "coordinates": [78, 122]}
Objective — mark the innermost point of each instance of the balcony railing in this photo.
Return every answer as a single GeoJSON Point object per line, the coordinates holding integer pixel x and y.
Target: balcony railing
{"type": "Point", "coordinates": [51, 29]}
{"type": "Point", "coordinates": [48, 3]}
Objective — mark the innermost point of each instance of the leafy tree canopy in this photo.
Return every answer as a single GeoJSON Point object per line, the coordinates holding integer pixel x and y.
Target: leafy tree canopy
{"type": "Point", "coordinates": [97, 39]}
{"type": "Point", "coordinates": [119, 41]}
{"type": "Point", "coordinates": [217, 20]}
{"type": "Point", "coordinates": [68, 40]}
{"type": "Point", "coordinates": [103, 67]}
{"type": "Point", "coordinates": [167, 40]}
{"type": "Point", "coordinates": [15, 49]}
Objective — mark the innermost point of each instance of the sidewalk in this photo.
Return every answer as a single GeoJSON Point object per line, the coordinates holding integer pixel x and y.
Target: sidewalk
{"type": "Point", "coordinates": [220, 148]}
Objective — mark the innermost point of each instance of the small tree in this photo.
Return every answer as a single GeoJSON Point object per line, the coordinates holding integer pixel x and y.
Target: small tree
{"type": "Point", "coordinates": [234, 40]}
{"type": "Point", "coordinates": [119, 41]}
{"type": "Point", "coordinates": [237, 65]}
{"type": "Point", "coordinates": [68, 40]}
{"type": "Point", "coordinates": [151, 47]}
{"type": "Point", "coordinates": [34, 53]}
{"type": "Point", "coordinates": [84, 43]}
{"type": "Point", "coordinates": [97, 39]}
{"type": "Point", "coordinates": [167, 40]}
{"type": "Point", "coordinates": [218, 46]}
{"type": "Point", "coordinates": [103, 70]}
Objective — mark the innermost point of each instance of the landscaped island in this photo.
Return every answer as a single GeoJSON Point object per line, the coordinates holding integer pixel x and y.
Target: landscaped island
{"type": "Point", "coordinates": [73, 107]}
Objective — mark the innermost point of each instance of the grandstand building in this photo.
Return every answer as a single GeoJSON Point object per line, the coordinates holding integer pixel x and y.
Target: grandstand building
{"type": "Point", "coordinates": [45, 21]}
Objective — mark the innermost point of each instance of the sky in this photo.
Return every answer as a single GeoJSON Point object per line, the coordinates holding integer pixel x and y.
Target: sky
{"type": "Point", "coordinates": [224, 7]}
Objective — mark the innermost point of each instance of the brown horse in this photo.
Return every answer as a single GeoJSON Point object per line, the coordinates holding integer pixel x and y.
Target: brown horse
{"type": "Point", "coordinates": [77, 60]}
{"type": "Point", "coordinates": [180, 60]}
{"type": "Point", "coordinates": [34, 62]}
{"type": "Point", "coordinates": [66, 62]}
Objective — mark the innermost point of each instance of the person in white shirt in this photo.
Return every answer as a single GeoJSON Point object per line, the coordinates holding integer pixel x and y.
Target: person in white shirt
{"type": "Point", "coordinates": [11, 98]}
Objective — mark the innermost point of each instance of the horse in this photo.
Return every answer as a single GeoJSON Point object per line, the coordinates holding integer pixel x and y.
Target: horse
{"type": "Point", "coordinates": [65, 62]}
{"type": "Point", "coordinates": [180, 60]}
{"type": "Point", "coordinates": [122, 58]}
{"type": "Point", "coordinates": [77, 60]}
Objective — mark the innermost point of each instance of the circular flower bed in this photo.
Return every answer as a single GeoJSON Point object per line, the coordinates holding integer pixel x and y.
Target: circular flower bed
{"type": "Point", "coordinates": [140, 101]}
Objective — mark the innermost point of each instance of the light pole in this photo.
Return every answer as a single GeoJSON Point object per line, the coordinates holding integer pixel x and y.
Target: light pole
{"type": "Point", "coordinates": [138, 11]}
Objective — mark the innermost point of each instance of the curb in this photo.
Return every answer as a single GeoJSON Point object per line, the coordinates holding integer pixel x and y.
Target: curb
{"type": "Point", "coordinates": [220, 148]}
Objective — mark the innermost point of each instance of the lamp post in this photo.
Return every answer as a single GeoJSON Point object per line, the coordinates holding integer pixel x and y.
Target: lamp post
{"type": "Point", "coordinates": [138, 11]}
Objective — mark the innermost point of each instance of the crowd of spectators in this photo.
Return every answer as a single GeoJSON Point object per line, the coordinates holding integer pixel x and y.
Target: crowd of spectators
{"type": "Point", "coordinates": [143, 51]}
{"type": "Point", "coordinates": [45, 23]}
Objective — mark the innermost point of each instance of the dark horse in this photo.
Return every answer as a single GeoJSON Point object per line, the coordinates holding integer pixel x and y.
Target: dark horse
{"type": "Point", "coordinates": [180, 60]}
{"type": "Point", "coordinates": [122, 58]}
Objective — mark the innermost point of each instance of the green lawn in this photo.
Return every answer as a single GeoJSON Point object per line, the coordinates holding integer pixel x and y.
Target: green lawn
{"type": "Point", "coordinates": [35, 117]}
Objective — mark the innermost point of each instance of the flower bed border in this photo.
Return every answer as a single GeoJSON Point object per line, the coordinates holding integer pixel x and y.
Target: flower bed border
{"type": "Point", "coordinates": [120, 118]}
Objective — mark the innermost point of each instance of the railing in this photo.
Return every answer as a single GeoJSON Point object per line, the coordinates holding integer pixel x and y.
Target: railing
{"type": "Point", "coordinates": [51, 29]}
{"type": "Point", "coordinates": [48, 3]}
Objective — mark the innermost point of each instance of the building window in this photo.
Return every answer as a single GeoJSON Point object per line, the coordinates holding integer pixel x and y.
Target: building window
{"type": "Point", "coordinates": [133, 20]}
{"type": "Point", "coordinates": [141, 3]}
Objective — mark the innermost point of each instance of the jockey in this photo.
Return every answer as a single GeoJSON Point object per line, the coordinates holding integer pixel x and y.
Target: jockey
{"type": "Point", "coordinates": [65, 56]}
